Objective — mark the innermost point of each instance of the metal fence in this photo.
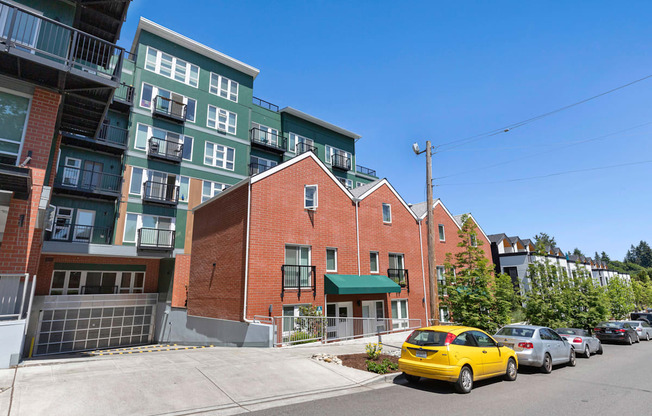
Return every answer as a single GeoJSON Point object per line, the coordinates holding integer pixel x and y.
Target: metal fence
{"type": "Point", "coordinates": [16, 294]}
{"type": "Point", "coordinates": [294, 330]}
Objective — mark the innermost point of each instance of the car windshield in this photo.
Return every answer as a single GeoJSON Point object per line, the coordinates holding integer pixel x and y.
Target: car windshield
{"type": "Point", "coordinates": [510, 331]}
{"type": "Point", "coordinates": [570, 331]}
{"type": "Point", "coordinates": [611, 324]}
{"type": "Point", "coordinates": [427, 338]}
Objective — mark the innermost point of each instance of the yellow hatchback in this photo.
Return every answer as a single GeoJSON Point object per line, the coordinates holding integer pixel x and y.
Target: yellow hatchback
{"type": "Point", "coordinates": [458, 354]}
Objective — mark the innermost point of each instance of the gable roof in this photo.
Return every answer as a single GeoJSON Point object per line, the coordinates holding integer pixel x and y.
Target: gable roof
{"type": "Point", "coordinates": [458, 220]}
{"type": "Point", "coordinates": [497, 238]}
{"type": "Point", "coordinates": [319, 122]}
{"type": "Point", "coordinates": [376, 185]}
{"type": "Point", "coordinates": [362, 189]}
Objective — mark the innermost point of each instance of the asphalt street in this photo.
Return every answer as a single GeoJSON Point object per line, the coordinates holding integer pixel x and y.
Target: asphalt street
{"type": "Point", "coordinates": [619, 382]}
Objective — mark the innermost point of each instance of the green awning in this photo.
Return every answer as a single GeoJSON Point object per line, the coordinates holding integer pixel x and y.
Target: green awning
{"type": "Point", "coordinates": [352, 284]}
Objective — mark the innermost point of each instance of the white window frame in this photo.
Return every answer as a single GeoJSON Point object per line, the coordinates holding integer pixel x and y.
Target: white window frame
{"type": "Point", "coordinates": [214, 189]}
{"type": "Point", "coordinates": [157, 67]}
{"type": "Point", "coordinates": [442, 270]}
{"type": "Point", "coordinates": [139, 224]}
{"type": "Point", "coordinates": [82, 280]}
{"type": "Point", "coordinates": [377, 262]}
{"type": "Point", "coordinates": [214, 159]}
{"type": "Point", "coordinates": [184, 201]}
{"type": "Point", "coordinates": [218, 88]}
{"type": "Point", "coordinates": [150, 134]}
{"type": "Point", "coordinates": [215, 123]}
{"type": "Point", "coordinates": [390, 213]}
{"type": "Point", "coordinates": [29, 109]}
{"type": "Point", "coordinates": [131, 180]}
{"type": "Point", "coordinates": [293, 140]}
{"type": "Point", "coordinates": [348, 183]}
{"type": "Point", "coordinates": [330, 151]}
{"type": "Point", "coordinates": [441, 230]}
{"type": "Point", "coordinates": [155, 92]}
{"type": "Point", "coordinates": [400, 321]}
{"type": "Point", "coordinates": [334, 249]}
{"type": "Point", "coordinates": [315, 197]}
{"type": "Point", "coordinates": [192, 146]}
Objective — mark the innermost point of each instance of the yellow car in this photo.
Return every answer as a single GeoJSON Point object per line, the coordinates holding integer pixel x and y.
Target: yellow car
{"type": "Point", "coordinates": [458, 354]}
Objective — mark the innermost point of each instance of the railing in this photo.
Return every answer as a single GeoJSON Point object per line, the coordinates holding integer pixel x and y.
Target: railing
{"type": "Point", "coordinates": [169, 108]}
{"type": "Point", "coordinates": [113, 135]}
{"type": "Point", "coordinates": [44, 38]}
{"type": "Point", "coordinates": [16, 294]}
{"type": "Point", "coordinates": [166, 149]}
{"type": "Point", "coordinates": [124, 93]}
{"type": "Point", "coordinates": [293, 330]}
{"type": "Point", "coordinates": [303, 147]}
{"type": "Point", "coordinates": [75, 233]}
{"type": "Point", "coordinates": [256, 168]}
{"type": "Point", "coordinates": [299, 278]}
{"type": "Point", "coordinates": [365, 171]}
{"type": "Point", "coordinates": [265, 104]}
{"type": "Point", "coordinates": [99, 290]}
{"type": "Point", "coordinates": [154, 238]}
{"type": "Point", "coordinates": [341, 161]}
{"type": "Point", "coordinates": [400, 276]}
{"type": "Point", "coordinates": [87, 180]}
{"type": "Point", "coordinates": [268, 139]}
{"type": "Point", "coordinates": [161, 192]}
{"type": "Point", "coordinates": [130, 56]}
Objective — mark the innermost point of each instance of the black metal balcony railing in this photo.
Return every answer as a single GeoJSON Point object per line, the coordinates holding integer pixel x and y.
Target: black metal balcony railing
{"type": "Point", "coordinates": [161, 193]}
{"type": "Point", "coordinates": [365, 171]}
{"type": "Point", "coordinates": [155, 238]}
{"type": "Point", "coordinates": [86, 180]}
{"type": "Point", "coordinates": [165, 149]}
{"type": "Point", "coordinates": [265, 104]}
{"type": "Point", "coordinates": [124, 93]}
{"type": "Point", "coordinates": [47, 40]}
{"type": "Point", "coordinates": [99, 290]}
{"type": "Point", "coordinates": [303, 147]}
{"type": "Point", "coordinates": [113, 135]}
{"type": "Point", "coordinates": [298, 277]}
{"type": "Point", "coordinates": [256, 168]}
{"type": "Point", "coordinates": [341, 162]}
{"type": "Point", "coordinates": [400, 276]}
{"type": "Point", "coordinates": [75, 233]}
{"type": "Point", "coordinates": [267, 139]}
{"type": "Point", "coordinates": [169, 108]}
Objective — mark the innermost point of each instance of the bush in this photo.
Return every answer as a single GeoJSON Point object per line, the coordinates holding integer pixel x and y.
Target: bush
{"type": "Point", "coordinates": [300, 337]}
{"type": "Point", "coordinates": [373, 350]}
{"type": "Point", "coordinates": [381, 368]}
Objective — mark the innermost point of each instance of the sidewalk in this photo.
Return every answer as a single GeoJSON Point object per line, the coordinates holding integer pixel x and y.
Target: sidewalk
{"type": "Point", "coordinates": [210, 381]}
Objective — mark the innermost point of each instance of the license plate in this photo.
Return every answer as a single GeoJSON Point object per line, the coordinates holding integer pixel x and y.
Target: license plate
{"type": "Point", "coordinates": [607, 331]}
{"type": "Point", "coordinates": [422, 354]}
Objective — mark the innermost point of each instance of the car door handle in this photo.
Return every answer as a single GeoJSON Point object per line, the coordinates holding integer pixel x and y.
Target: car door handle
{"type": "Point", "coordinates": [484, 352]}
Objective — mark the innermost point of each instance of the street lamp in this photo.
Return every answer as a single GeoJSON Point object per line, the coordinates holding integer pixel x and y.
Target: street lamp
{"type": "Point", "coordinates": [432, 278]}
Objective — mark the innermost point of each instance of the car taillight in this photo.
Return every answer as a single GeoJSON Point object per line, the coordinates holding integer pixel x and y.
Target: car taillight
{"type": "Point", "coordinates": [620, 330]}
{"type": "Point", "coordinates": [449, 338]}
{"type": "Point", "coordinates": [577, 340]}
{"type": "Point", "coordinates": [526, 345]}
{"type": "Point", "coordinates": [596, 329]}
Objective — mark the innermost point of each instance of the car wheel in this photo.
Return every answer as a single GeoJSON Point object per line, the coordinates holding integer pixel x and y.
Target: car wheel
{"type": "Point", "coordinates": [629, 341]}
{"type": "Point", "coordinates": [638, 339]}
{"type": "Point", "coordinates": [573, 359]}
{"type": "Point", "coordinates": [464, 383]}
{"type": "Point", "coordinates": [587, 352]}
{"type": "Point", "coordinates": [600, 351]}
{"type": "Point", "coordinates": [647, 336]}
{"type": "Point", "coordinates": [547, 364]}
{"type": "Point", "coordinates": [411, 379]}
{"type": "Point", "coordinates": [511, 373]}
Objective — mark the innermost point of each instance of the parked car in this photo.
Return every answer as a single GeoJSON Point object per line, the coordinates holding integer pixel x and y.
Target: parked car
{"type": "Point", "coordinates": [457, 354]}
{"type": "Point", "coordinates": [581, 340]}
{"type": "Point", "coordinates": [641, 316]}
{"type": "Point", "coordinates": [537, 346]}
{"type": "Point", "coordinates": [616, 331]}
{"type": "Point", "coordinates": [642, 328]}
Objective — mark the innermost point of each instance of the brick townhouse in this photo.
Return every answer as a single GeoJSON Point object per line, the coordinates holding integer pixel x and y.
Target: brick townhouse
{"type": "Point", "coordinates": [294, 236]}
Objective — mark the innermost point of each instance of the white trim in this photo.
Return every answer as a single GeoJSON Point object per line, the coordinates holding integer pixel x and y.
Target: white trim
{"type": "Point", "coordinates": [390, 212]}
{"type": "Point", "coordinates": [189, 165]}
{"type": "Point", "coordinates": [167, 34]}
{"type": "Point", "coordinates": [230, 83]}
{"type": "Point", "coordinates": [221, 194]}
{"type": "Point", "coordinates": [246, 280]}
{"type": "Point", "coordinates": [173, 65]}
{"type": "Point", "coordinates": [441, 231]}
{"type": "Point", "coordinates": [391, 188]}
{"type": "Point", "coordinates": [423, 271]}
{"type": "Point", "coordinates": [315, 197]}
{"type": "Point", "coordinates": [377, 271]}
{"type": "Point", "coordinates": [482, 231]}
{"type": "Point", "coordinates": [214, 158]}
{"type": "Point", "coordinates": [335, 269]}
{"type": "Point", "coordinates": [357, 233]}
{"type": "Point", "coordinates": [217, 122]}
{"type": "Point", "coordinates": [156, 90]}
{"type": "Point", "coordinates": [319, 122]}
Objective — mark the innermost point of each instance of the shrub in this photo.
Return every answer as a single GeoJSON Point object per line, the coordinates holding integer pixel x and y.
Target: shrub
{"type": "Point", "coordinates": [373, 350]}
{"type": "Point", "coordinates": [381, 368]}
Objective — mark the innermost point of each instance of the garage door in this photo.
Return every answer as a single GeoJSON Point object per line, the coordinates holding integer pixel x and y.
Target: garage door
{"type": "Point", "coordinates": [70, 323]}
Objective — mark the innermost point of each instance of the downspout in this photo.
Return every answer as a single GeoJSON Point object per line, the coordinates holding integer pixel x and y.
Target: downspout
{"type": "Point", "coordinates": [246, 276]}
{"type": "Point", "coordinates": [357, 232]}
{"type": "Point", "coordinates": [423, 270]}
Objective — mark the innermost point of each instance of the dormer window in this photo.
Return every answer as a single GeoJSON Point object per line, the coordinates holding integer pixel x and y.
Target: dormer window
{"type": "Point", "coordinates": [310, 197]}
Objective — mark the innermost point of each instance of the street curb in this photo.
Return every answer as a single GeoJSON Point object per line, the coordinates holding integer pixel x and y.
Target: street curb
{"type": "Point", "coordinates": [381, 378]}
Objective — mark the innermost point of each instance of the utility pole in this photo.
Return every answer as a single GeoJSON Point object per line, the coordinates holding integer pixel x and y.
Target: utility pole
{"type": "Point", "coordinates": [432, 268]}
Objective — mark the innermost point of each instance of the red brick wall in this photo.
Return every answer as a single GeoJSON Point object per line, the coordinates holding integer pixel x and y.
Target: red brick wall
{"type": "Point", "coordinates": [180, 282]}
{"type": "Point", "coordinates": [219, 237]}
{"type": "Point", "coordinates": [46, 268]}
{"type": "Point", "coordinates": [21, 245]}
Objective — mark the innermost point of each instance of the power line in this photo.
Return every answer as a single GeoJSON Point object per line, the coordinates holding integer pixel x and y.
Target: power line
{"type": "Point", "coordinates": [509, 127]}
{"type": "Point", "coordinates": [549, 174]}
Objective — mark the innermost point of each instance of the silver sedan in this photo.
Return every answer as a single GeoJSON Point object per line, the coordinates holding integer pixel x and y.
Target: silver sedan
{"type": "Point", "coordinates": [581, 340]}
{"type": "Point", "coordinates": [537, 346]}
{"type": "Point", "coordinates": [642, 328]}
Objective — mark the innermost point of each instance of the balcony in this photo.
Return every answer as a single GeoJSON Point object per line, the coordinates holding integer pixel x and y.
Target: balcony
{"type": "Point", "coordinates": [341, 162]}
{"type": "Point", "coordinates": [265, 104]}
{"type": "Point", "coordinates": [366, 171]}
{"type": "Point", "coordinates": [99, 290]}
{"type": "Point", "coordinates": [168, 150]}
{"type": "Point", "coordinates": [155, 239]}
{"type": "Point", "coordinates": [267, 141]}
{"type": "Point", "coordinates": [299, 278]}
{"type": "Point", "coordinates": [256, 168]}
{"type": "Point", "coordinates": [88, 183]}
{"type": "Point", "coordinates": [169, 109]}
{"type": "Point", "coordinates": [160, 193]}
{"type": "Point", "coordinates": [15, 179]}
{"type": "Point", "coordinates": [123, 98]}
{"type": "Point", "coordinates": [303, 147]}
{"type": "Point", "coordinates": [400, 277]}
{"type": "Point", "coordinates": [75, 233]}
{"type": "Point", "coordinates": [110, 139]}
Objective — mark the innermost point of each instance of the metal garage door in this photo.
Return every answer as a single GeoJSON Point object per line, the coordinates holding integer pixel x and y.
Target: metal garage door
{"type": "Point", "coordinates": [69, 323]}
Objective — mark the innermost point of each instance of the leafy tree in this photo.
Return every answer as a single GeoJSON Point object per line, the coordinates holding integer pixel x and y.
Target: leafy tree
{"type": "Point", "coordinates": [621, 298]}
{"type": "Point", "coordinates": [545, 240]}
{"type": "Point", "coordinates": [577, 252]}
{"type": "Point", "coordinates": [596, 256]}
{"type": "Point", "coordinates": [604, 257]}
{"type": "Point", "coordinates": [641, 254]}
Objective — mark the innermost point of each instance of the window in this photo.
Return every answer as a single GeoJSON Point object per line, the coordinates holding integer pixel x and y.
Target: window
{"type": "Point", "coordinates": [258, 165]}
{"type": "Point", "coordinates": [224, 87]}
{"type": "Point", "coordinates": [221, 119]}
{"type": "Point", "coordinates": [187, 148]}
{"type": "Point", "coordinates": [210, 189]}
{"type": "Point", "coordinates": [299, 144]}
{"type": "Point", "coordinates": [62, 222]}
{"type": "Point", "coordinates": [338, 157]}
{"type": "Point", "coordinates": [465, 339]}
{"type": "Point", "coordinates": [387, 213]}
{"type": "Point", "coordinates": [266, 135]}
{"type": "Point", "coordinates": [96, 282]}
{"type": "Point", "coordinates": [441, 280]}
{"type": "Point", "coordinates": [136, 187]}
{"type": "Point", "coordinates": [373, 262]}
{"type": "Point", "coordinates": [131, 225]}
{"type": "Point", "coordinates": [348, 183]}
{"type": "Point", "coordinates": [310, 197]}
{"type": "Point", "coordinates": [444, 315]}
{"type": "Point", "coordinates": [483, 339]}
{"type": "Point", "coordinates": [442, 235]}
{"type": "Point", "coordinates": [474, 240]}
{"type": "Point", "coordinates": [184, 188]}
{"type": "Point", "coordinates": [296, 272]}
{"type": "Point", "coordinates": [396, 270]}
{"type": "Point", "coordinates": [14, 110]}
{"type": "Point", "coordinates": [219, 156]}
{"type": "Point", "coordinates": [400, 313]}
{"type": "Point", "coordinates": [145, 132]}
{"type": "Point", "coordinates": [171, 67]}
{"type": "Point", "coordinates": [150, 92]}
{"type": "Point", "coordinates": [331, 260]}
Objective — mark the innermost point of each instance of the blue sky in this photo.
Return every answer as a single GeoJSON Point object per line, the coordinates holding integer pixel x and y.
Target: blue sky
{"type": "Point", "coordinates": [400, 72]}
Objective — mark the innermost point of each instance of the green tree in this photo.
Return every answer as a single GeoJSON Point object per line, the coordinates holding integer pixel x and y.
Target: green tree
{"type": "Point", "coordinates": [604, 257]}
{"type": "Point", "coordinates": [577, 252]}
{"type": "Point", "coordinates": [621, 298]}
{"type": "Point", "coordinates": [545, 239]}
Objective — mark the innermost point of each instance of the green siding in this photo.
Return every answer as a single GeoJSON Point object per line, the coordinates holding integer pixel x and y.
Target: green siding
{"type": "Point", "coordinates": [102, 267]}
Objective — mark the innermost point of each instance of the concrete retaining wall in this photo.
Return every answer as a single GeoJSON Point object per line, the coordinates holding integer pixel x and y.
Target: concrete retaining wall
{"type": "Point", "coordinates": [11, 339]}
